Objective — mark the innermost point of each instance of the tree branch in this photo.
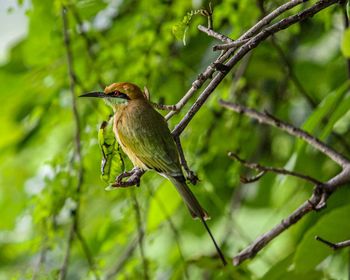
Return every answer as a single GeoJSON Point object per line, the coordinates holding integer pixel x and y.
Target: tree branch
{"type": "Point", "coordinates": [89, 43]}
{"type": "Point", "coordinates": [214, 34]}
{"type": "Point", "coordinates": [256, 166]}
{"type": "Point", "coordinates": [163, 106]}
{"type": "Point", "coordinates": [223, 69]}
{"type": "Point", "coordinates": [316, 202]}
{"type": "Point", "coordinates": [294, 78]}
{"type": "Point", "coordinates": [334, 246]}
{"type": "Point", "coordinates": [41, 260]}
{"type": "Point", "coordinates": [123, 258]}
{"type": "Point", "coordinates": [209, 71]}
{"type": "Point", "coordinates": [77, 139]}
{"type": "Point", "coordinates": [173, 228]}
{"type": "Point", "coordinates": [292, 130]}
{"type": "Point", "coordinates": [321, 193]}
{"type": "Point", "coordinates": [87, 253]}
{"type": "Point", "coordinates": [241, 52]}
{"type": "Point", "coordinates": [262, 23]}
{"type": "Point", "coordinates": [141, 234]}
{"type": "Point", "coordinates": [64, 266]}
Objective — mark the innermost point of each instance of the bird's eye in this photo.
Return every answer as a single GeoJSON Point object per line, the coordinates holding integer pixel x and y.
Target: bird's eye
{"type": "Point", "coordinates": [119, 94]}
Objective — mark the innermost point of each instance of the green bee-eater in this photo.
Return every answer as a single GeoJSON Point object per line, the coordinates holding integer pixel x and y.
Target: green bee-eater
{"type": "Point", "coordinates": [145, 138]}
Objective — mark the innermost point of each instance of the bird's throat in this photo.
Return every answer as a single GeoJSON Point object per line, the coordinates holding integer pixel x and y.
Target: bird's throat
{"type": "Point", "coordinates": [116, 103]}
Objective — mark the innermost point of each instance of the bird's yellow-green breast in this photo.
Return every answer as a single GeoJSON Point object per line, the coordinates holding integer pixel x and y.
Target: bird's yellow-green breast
{"type": "Point", "coordinates": [145, 137]}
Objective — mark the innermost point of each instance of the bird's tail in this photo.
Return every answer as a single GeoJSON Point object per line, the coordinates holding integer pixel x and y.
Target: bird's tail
{"type": "Point", "coordinates": [195, 208]}
{"type": "Point", "coordinates": [192, 203]}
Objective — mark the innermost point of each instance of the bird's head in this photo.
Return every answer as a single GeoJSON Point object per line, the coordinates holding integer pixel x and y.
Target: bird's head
{"type": "Point", "coordinates": [118, 94]}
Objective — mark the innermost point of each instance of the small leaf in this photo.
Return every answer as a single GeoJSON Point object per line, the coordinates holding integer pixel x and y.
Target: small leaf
{"type": "Point", "coordinates": [179, 31]}
{"type": "Point", "coordinates": [111, 164]}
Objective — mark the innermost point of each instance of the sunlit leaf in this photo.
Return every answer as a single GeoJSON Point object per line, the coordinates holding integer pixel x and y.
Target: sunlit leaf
{"type": "Point", "coordinates": [332, 227]}
{"type": "Point", "coordinates": [345, 44]}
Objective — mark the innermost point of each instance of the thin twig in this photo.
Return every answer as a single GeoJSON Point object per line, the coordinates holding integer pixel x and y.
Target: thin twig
{"type": "Point", "coordinates": [241, 69]}
{"type": "Point", "coordinates": [259, 167]}
{"type": "Point", "coordinates": [123, 258]}
{"type": "Point", "coordinates": [321, 192]}
{"type": "Point", "coordinates": [316, 202]}
{"type": "Point", "coordinates": [141, 234]}
{"type": "Point", "coordinates": [253, 43]}
{"type": "Point", "coordinates": [77, 140]}
{"type": "Point", "coordinates": [214, 34]}
{"type": "Point", "coordinates": [290, 129]}
{"type": "Point", "coordinates": [262, 23]}
{"type": "Point", "coordinates": [88, 43]}
{"type": "Point", "coordinates": [334, 246]}
{"type": "Point", "coordinates": [87, 253]}
{"type": "Point", "coordinates": [209, 71]}
{"type": "Point", "coordinates": [288, 65]}
{"type": "Point", "coordinates": [302, 90]}
{"type": "Point", "coordinates": [249, 180]}
{"type": "Point", "coordinates": [173, 228]}
{"type": "Point", "coordinates": [64, 266]}
{"type": "Point", "coordinates": [41, 260]}
{"type": "Point", "coordinates": [295, 80]}
{"type": "Point", "coordinates": [163, 107]}
{"type": "Point", "coordinates": [292, 74]}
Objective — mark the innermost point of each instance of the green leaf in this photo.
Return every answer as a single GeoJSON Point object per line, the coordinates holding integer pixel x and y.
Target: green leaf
{"type": "Point", "coordinates": [328, 107]}
{"type": "Point", "coordinates": [278, 270]}
{"type": "Point", "coordinates": [112, 163]}
{"type": "Point", "coordinates": [339, 112]}
{"type": "Point", "coordinates": [345, 44]}
{"type": "Point", "coordinates": [164, 201]}
{"type": "Point", "coordinates": [283, 270]}
{"type": "Point", "coordinates": [333, 227]}
{"type": "Point", "coordinates": [179, 30]}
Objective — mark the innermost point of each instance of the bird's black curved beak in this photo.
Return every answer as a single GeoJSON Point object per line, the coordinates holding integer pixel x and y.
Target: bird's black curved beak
{"type": "Point", "coordinates": [99, 94]}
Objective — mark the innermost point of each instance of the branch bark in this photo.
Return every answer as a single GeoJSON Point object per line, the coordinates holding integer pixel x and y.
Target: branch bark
{"type": "Point", "coordinates": [317, 201]}
{"type": "Point", "coordinates": [334, 246]}
{"type": "Point", "coordinates": [209, 71]}
{"type": "Point", "coordinates": [259, 167]}
{"type": "Point", "coordinates": [241, 52]}
{"type": "Point", "coordinates": [263, 22]}
{"type": "Point", "coordinates": [321, 192]}
{"type": "Point", "coordinates": [290, 129]}
{"type": "Point", "coordinates": [234, 51]}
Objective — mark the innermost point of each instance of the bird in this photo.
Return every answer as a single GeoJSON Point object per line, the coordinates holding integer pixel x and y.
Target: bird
{"type": "Point", "coordinates": [144, 136]}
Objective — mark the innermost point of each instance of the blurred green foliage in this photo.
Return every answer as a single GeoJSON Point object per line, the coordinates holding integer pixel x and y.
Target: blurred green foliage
{"type": "Point", "coordinates": [132, 41]}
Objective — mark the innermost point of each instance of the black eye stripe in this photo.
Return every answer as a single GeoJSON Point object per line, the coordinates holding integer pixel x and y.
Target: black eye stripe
{"type": "Point", "coordinates": [119, 94]}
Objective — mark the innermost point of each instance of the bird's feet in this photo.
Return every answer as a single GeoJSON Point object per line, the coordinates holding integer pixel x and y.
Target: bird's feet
{"type": "Point", "coordinates": [134, 178]}
{"type": "Point", "coordinates": [191, 176]}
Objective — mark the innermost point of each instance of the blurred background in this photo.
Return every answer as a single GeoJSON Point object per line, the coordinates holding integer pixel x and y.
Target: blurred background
{"type": "Point", "coordinates": [300, 76]}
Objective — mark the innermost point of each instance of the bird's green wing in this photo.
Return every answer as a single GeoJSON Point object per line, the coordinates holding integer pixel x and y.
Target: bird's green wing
{"type": "Point", "coordinates": [144, 133]}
